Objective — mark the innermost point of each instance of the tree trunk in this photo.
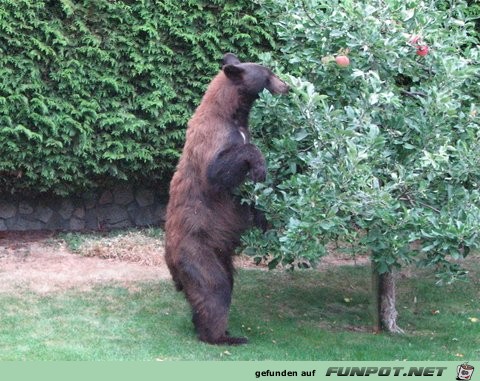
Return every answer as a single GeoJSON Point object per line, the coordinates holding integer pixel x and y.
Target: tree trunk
{"type": "Point", "coordinates": [385, 313]}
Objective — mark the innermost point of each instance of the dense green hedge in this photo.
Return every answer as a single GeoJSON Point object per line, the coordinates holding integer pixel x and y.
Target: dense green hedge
{"type": "Point", "coordinates": [98, 90]}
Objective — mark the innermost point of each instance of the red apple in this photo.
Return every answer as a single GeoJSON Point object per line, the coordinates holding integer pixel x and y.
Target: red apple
{"type": "Point", "coordinates": [342, 61]}
{"type": "Point", "coordinates": [422, 50]}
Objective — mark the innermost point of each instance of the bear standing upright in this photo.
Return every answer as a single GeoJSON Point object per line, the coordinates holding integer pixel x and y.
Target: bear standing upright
{"type": "Point", "coordinates": [204, 219]}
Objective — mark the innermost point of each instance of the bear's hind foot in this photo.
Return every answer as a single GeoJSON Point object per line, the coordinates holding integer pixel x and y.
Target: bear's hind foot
{"type": "Point", "coordinates": [226, 340]}
{"type": "Point", "coordinates": [236, 340]}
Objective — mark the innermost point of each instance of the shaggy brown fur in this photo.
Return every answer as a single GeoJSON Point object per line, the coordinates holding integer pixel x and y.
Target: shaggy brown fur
{"type": "Point", "coordinates": [204, 219]}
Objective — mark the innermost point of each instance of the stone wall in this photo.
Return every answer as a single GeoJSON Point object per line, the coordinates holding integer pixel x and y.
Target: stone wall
{"type": "Point", "coordinates": [119, 207]}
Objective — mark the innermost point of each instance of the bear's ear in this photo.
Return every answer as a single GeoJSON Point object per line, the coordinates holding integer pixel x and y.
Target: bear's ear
{"type": "Point", "coordinates": [230, 59]}
{"type": "Point", "coordinates": [233, 72]}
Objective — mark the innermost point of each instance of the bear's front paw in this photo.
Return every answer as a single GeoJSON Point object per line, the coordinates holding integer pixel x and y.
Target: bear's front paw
{"type": "Point", "coordinates": [258, 174]}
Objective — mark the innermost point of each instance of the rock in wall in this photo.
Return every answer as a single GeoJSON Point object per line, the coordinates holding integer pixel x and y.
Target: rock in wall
{"type": "Point", "coordinates": [118, 207]}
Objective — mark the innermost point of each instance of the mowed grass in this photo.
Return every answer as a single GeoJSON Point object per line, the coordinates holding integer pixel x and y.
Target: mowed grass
{"type": "Point", "coordinates": [304, 315]}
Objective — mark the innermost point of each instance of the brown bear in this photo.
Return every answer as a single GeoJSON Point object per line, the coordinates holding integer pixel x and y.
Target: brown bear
{"type": "Point", "coordinates": [204, 219]}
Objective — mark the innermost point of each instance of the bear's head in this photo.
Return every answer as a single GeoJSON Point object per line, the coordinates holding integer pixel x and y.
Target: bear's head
{"type": "Point", "coordinates": [252, 78]}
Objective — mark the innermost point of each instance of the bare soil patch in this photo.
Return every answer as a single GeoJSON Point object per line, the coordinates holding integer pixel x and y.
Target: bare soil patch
{"type": "Point", "coordinates": [42, 262]}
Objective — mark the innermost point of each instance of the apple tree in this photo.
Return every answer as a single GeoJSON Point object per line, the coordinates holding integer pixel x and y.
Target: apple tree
{"type": "Point", "coordinates": [377, 147]}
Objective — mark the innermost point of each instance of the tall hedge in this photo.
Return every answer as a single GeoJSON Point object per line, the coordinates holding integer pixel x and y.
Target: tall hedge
{"type": "Point", "coordinates": [94, 91]}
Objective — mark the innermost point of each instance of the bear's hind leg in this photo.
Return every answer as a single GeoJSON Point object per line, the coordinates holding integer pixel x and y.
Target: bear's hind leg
{"type": "Point", "coordinates": [210, 317]}
{"type": "Point", "coordinates": [209, 294]}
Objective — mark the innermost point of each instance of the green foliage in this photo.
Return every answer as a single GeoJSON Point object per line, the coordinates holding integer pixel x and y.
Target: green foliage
{"type": "Point", "coordinates": [96, 90]}
{"type": "Point", "coordinates": [382, 155]}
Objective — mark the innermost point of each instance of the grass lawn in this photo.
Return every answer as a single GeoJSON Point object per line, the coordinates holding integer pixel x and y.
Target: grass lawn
{"type": "Point", "coordinates": [305, 315]}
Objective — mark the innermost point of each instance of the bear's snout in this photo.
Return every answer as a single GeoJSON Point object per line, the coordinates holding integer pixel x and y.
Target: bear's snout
{"type": "Point", "coordinates": [277, 86]}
